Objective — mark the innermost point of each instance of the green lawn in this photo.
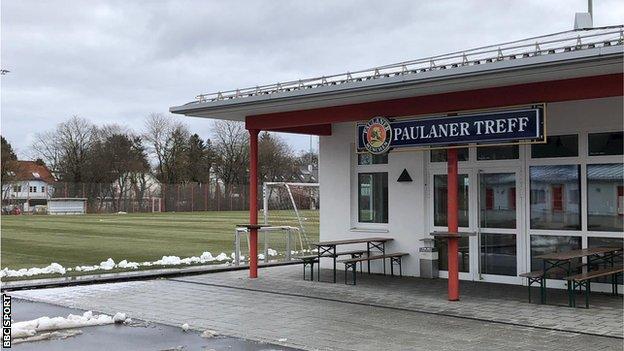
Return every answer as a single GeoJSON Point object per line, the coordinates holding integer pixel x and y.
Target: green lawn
{"type": "Point", "coordinates": [36, 241]}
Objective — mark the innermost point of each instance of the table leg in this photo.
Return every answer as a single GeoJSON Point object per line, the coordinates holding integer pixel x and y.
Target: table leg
{"type": "Point", "coordinates": [383, 252]}
{"type": "Point", "coordinates": [368, 254]}
{"type": "Point", "coordinates": [543, 286]}
{"type": "Point", "coordinates": [318, 270]}
{"type": "Point", "coordinates": [334, 263]}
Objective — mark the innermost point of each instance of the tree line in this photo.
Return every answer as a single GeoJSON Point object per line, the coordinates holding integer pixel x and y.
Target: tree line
{"type": "Point", "coordinates": [120, 160]}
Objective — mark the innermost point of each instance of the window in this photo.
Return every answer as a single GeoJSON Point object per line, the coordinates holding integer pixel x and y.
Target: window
{"type": "Point", "coordinates": [504, 152]}
{"type": "Point", "coordinates": [440, 155]}
{"type": "Point", "coordinates": [373, 197]}
{"type": "Point", "coordinates": [544, 244]}
{"type": "Point", "coordinates": [372, 159]}
{"type": "Point", "coordinates": [559, 207]}
{"type": "Point", "coordinates": [441, 245]}
{"type": "Point", "coordinates": [43, 189]}
{"type": "Point", "coordinates": [17, 188]}
{"type": "Point", "coordinates": [32, 189]}
{"type": "Point", "coordinates": [605, 197]}
{"type": "Point", "coordinates": [440, 209]}
{"type": "Point", "coordinates": [498, 200]}
{"type": "Point", "coordinates": [556, 146]}
{"type": "Point", "coordinates": [498, 254]}
{"type": "Point", "coordinates": [606, 144]}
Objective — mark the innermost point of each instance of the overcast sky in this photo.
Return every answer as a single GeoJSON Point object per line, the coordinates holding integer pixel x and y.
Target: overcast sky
{"type": "Point", "coordinates": [118, 61]}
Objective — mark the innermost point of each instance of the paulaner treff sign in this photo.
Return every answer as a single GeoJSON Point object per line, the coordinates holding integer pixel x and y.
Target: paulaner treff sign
{"type": "Point", "coordinates": [380, 134]}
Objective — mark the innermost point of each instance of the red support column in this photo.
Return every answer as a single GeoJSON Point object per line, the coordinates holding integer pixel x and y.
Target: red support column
{"type": "Point", "coordinates": [452, 214]}
{"type": "Point", "coordinates": [253, 202]}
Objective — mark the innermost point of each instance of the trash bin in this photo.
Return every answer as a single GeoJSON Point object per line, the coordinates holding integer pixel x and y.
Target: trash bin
{"type": "Point", "coordinates": [428, 255]}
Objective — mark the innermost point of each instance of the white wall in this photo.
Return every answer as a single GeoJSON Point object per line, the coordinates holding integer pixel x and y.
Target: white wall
{"type": "Point", "coordinates": [339, 208]}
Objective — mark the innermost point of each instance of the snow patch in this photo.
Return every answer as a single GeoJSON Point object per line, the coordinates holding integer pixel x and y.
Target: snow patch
{"type": "Point", "coordinates": [209, 334]}
{"type": "Point", "coordinates": [109, 264]}
{"type": "Point", "coordinates": [32, 327]}
{"type": "Point", "coordinates": [185, 327]}
{"type": "Point", "coordinates": [53, 268]}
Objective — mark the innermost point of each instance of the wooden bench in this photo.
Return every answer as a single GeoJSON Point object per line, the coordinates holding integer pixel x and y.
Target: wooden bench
{"type": "Point", "coordinates": [538, 277]}
{"type": "Point", "coordinates": [395, 258]}
{"type": "Point", "coordinates": [583, 280]}
{"type": "Point", "coordinates": [310, 260]}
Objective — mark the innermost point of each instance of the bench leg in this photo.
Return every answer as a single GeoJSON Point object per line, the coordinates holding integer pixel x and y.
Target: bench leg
{"type": "Point", "coordinates": [391, 267]}
{"type": "Point", "coordinates": [529, 289]}
{"type": "Point", "coordinates": [312, 272]}
{"type": "Point", "coordinates": [587, 292]}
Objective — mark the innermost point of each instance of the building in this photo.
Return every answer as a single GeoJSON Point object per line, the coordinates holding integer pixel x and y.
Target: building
{"type": "Point", "coordinates": [29, 184]}
{"type": "Point", "coordinates": [562, 189]}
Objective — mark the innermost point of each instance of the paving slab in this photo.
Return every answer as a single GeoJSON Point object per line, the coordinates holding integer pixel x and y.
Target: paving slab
{"type": "Point", "coordinates": [378, 313]}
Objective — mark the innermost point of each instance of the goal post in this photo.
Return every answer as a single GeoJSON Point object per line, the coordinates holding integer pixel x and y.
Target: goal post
{"type": "Point", "coordinates": [292, 204]}
{"type": "Point", "coordinates": [156, 204]}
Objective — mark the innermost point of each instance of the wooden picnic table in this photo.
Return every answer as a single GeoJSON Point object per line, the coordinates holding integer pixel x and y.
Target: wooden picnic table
{"type": "Point", "coordinates": [328, 249]}
{"type": "Point", "coordinates": [563, 260]}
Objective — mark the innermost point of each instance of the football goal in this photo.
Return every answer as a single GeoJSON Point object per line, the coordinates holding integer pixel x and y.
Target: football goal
{"type": "Point", "coordinates": [294, 205]}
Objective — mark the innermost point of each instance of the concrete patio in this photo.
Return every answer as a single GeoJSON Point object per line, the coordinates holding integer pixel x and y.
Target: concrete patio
{"type": "Point", "coordinates": [380, 312]}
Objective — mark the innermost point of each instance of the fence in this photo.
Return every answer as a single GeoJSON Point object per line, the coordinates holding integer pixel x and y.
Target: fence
{"type": "Point", "coordinates": [185, 197]}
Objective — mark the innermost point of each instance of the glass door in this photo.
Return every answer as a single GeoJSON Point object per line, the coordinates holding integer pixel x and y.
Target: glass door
{"type": "Point", "coordinates": [438, 218]}
{"type": "Point", "coordinates": [498, 247]}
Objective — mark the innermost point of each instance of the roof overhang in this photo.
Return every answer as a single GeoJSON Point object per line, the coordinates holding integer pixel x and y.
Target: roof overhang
{"type": "Point", "coordinates": [567, 65]}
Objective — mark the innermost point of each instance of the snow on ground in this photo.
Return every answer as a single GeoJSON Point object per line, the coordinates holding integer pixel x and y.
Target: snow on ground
{"type": "Point", "coordinates": [31, 328]}
{"type": "Point", "coordinates": [110, 264]}
{"type": "Point", "coordinates": [27, 272]}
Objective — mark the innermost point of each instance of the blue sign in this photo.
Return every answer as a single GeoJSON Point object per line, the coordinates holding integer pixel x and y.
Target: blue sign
{"type": "Point", "coordinates": [380, 134]}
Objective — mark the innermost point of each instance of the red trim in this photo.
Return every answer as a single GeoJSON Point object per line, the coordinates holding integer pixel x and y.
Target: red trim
{"type": "Point", "coordinates": [320, 129]}
{"type": "Point", "coordinates": [550, 91]}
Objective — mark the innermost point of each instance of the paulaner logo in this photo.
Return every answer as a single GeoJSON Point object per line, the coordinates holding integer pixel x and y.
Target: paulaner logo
{"type": "Point", "coordinates": [377, 135]}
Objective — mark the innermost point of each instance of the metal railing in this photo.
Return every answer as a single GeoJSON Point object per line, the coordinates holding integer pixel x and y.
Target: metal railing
{"type": "Point", "coordinates": [573, 40]}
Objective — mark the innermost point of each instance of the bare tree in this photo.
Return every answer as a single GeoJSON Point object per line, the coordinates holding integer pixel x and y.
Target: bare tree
{"type": "Point", "coordinates": [66, 148]}
{"type": "Point", "coordinates": [167, 142]}
{"type": "Point", "coordinates": [231, 146]}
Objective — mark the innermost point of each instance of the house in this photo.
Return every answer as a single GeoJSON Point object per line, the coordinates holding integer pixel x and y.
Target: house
{"type": "Point", "coordinates": [28, 184]}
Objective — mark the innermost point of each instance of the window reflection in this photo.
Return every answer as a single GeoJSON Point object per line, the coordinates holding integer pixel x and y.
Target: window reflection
{"type": "Point", "coordinates": [544, 244]}
{"type": "Point", "coordinates": [555, 197]}
{"type": "Point", "coordinates": [366, 159]}
{"type": "Point", "coordinates": [373, 197]}
{"type": "Point", "coordinates": [605, 197]}
{"type": "Point", "coordinates": [440, 203]}
{"type": "Point", "coordinates": [463, 259]}
{"type": "Point", "coordinates": [607, 242]}
{"type": "Point", "coordinates": [439, 155]}
{"type": "Point", "coordinates": [498, 254]}
{"type": "Point", "coordinates": [556, 146]}
{"type": "Point", "coordinates": [606, 143]}
{"type": "Point", "coordinates": [498, 200]}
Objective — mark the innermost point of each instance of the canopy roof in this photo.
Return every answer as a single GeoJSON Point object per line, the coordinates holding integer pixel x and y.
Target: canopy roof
{"type": "Point", "coordinates": [563, 55]}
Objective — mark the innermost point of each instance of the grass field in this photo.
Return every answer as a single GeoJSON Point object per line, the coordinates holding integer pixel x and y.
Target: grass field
{"type": "Point", "coordinates": [35, 241]}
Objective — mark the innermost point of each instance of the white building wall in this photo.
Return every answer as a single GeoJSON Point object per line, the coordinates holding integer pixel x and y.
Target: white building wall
{"type": "Point", "coordinates": [338, 175]}
{"type": "Point", "coordinates": [408, 202]}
